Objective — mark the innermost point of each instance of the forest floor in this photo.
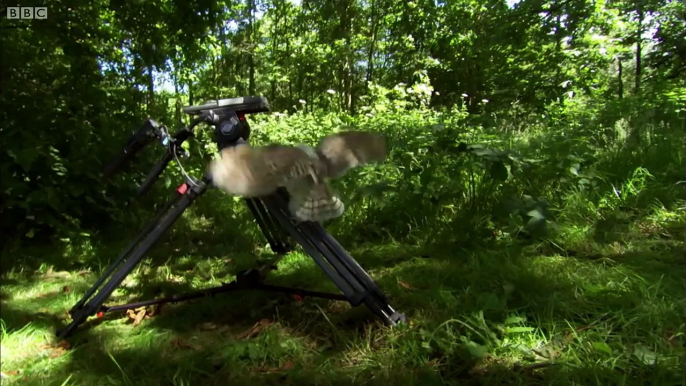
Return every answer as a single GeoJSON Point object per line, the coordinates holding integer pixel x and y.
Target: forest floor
{"type": "Point", "coordinates": [607, 313]}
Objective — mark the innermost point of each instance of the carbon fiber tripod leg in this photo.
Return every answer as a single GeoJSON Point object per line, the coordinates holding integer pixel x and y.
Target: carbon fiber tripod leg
{"type": "Point", "coordinates": [153, 232]}
{"type": "Point", "coordinates": [357, 286]}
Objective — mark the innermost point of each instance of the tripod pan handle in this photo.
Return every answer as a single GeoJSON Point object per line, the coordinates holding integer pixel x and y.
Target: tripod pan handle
{"type": "Point", "coordinates": [136, 142]}
{"type": "Point", "coordinates": [155, 173]}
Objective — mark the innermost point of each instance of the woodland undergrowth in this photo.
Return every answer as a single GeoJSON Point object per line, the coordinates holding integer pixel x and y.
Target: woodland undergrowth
{"type": "Point", "coordinates": [525, 248]}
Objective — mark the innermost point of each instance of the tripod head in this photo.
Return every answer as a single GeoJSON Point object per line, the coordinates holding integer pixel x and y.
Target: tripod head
{"type": "Point", "coordinates": [226, 115]}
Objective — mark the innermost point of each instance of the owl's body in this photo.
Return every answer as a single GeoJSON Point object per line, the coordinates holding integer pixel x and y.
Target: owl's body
{"type": "Point", "coordinates": [249, 171]}
{"type": "Point", "coordinates": [259, 171]}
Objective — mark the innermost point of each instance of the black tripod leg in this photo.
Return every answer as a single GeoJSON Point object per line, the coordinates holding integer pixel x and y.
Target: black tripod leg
{"type": "Point", "coordinates": [79, 316]}
{"type": "Point", "coordinates": [319, 233]}
{"type": "Point", "coordinates": [268, 226]}
{"type": "Point", "coordinates": [142, 233]}
{"type": "Point", "coordinates": [274, 223]}
{"type": "Point", "coordinates": [375, 300]}
{"type": "Point", "coordinates": [336, 262]}
{"type": "Point", "coordinates": [350, 288]}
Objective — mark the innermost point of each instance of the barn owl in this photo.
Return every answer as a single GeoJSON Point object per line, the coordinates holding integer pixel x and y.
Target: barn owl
{"type": "Point", "coordinates": [248, 171]}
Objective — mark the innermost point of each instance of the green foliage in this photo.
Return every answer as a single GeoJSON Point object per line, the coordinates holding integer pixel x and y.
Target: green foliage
{"type": "Point", "coordinates": [530, 212]}
{"type": "Point", "coordinates": [546, 98]}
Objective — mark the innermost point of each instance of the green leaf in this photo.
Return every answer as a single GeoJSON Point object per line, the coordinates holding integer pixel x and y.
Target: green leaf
{"type": "Point", "coordinates": [645, 354]}
{"type": "Point", "coordinates": [483, 152]}
{"type": "Point", "coordinates": [517, 330]}
{"type": "Point", "coordinates": [508, 206]}
{"type": "Point", "coordinates": [523, 349]}
{"type": "Point", "coordinates": [535, 214]}
{"type": "Point", "coordinates": [514, 319]}
{"type": "Point", "coordinates": [26, 157]}
{"type": "Point", "coordinates": [491, 302]}
{"type": "Point", "coordinates": [574, 169]}
{"type": "Point", "coordinates": [602, 346]}
{"type": "Point", "coordinates": [375, 190]}
{"type": "Point", "coordinates": [498, 171]}
{"type": "Point", "coordinates": [476, 350]}
{"type": "Point", "coordinates": [537, 226]}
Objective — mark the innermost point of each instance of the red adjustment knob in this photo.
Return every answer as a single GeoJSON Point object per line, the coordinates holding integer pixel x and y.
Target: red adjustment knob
{"type": "Point", "coordinates": [99, 314]}
{"type": "Point", "coordinates": [182, 189]}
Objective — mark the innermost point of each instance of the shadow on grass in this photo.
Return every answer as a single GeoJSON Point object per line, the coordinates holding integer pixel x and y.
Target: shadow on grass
{"type": "Point", "coordinates": [185, 348]}
{"type": "Point", "coordinates": [200, 341]}
{"type": "Point", "coordinates": [555, 300]}
{"type": "Point", "coordinates": [301, 347]}
{"type": "Point", "coordinates": [555, 297]}
{"type": "Point", "coordinates": [15, 319]}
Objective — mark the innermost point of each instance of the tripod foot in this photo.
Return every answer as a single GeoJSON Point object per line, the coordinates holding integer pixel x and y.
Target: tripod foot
{"type": "Point", "coordinates": [66, 331]}
{"type": "Point", "coordinates": [398, 318]}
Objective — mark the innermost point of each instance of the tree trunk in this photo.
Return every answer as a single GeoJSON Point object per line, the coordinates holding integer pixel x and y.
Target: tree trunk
{"type": "Point", "coordinates": [558, 51]}
{"type": "Point", "coordinates": [215, 77]}
{"type": "Point", "coordinates": [222, 81]}
{"type": "Point", "coordinates": [639, 32]}
{"type": "Point", "coordinates": [372, 44]}
{"type": "Point", "coordinates": [349, 86]}
{"type": "Point", "coordinates": [177, 98]}
{"type": "Point", "coordinates": [275, 56]}
{"type": "Point", "coordinates": [635, 134]}
{"type": "Point", "coordinates": [620, 81]}
{"type": "Point", "coordinates": [251, 84]}
{"type": "Point", "coordinates": [190, 93]}
{"type": "Point", "coordinates": [345, 68]}
{"type": "Point", "coordinates": [251, 55]}
{"type": "Point", "coordinates": [151, 89]}
{"type": "Point", "coordinates": [289, 99]}
{"type": "Point", "coordinates": [353, 93]}
{"type": "Point", "coordinates": [238, 68]}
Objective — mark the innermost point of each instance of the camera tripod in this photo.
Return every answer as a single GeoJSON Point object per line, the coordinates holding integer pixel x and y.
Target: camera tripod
{"type": "Point", "coordinates": [228, 116]}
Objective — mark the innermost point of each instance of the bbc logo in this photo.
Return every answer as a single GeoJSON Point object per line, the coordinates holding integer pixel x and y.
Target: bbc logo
{"type": "Point", "coordinates": [39, 13]}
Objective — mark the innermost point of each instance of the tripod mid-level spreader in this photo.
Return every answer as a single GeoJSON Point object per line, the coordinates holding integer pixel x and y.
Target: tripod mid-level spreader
{"type": "Point", "coordinates": [271, 213]}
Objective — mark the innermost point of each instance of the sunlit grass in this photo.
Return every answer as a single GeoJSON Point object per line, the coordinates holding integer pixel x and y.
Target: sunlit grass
{"type": "Point", "coordinates": [565, 311]}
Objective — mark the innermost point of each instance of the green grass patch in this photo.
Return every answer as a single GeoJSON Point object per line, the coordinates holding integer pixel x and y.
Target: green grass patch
{"type": "Point", "coordinates": [607, 313]}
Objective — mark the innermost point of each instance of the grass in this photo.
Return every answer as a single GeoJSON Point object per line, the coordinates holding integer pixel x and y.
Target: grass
{"type": "Point", "coordinates": [605, 308]}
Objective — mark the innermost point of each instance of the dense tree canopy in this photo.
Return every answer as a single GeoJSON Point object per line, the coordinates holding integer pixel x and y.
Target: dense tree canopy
{"type": "Point", "coordinates": [75, 84]}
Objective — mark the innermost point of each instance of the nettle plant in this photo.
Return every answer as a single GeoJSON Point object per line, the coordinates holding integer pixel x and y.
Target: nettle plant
{"type": "Point", "coordinates": [496, 180]}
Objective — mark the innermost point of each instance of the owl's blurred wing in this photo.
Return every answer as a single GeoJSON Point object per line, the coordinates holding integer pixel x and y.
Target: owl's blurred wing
{"type": "Point", "coordinates": [287, 163]}
{"type": "Point", "coordinates": [346, 150]}
{"type": "Point", "coordinates": [257, 171]}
